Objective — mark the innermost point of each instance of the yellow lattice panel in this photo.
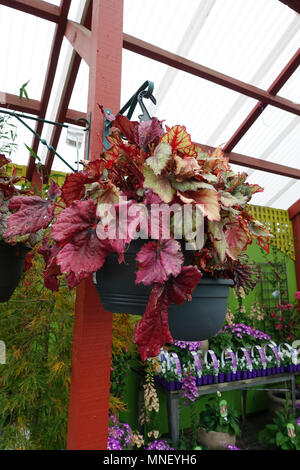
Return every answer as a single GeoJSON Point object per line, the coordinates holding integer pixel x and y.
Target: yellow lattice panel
{"type": "Point", "coordinates": [57, 176]}
{"type": "Point", "coordinates": [277, 220]}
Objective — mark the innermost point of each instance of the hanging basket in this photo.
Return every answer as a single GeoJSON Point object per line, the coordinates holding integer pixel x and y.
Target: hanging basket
{"type": "Point", "coordinates": [12, 259]}
{"type": "Point", "coordinates": [195, 320]}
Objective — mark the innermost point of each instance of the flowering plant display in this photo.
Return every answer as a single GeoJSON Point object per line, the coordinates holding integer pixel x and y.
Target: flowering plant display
{"type": "Point", "coordinates": [122, 437]}
{"type": "Point", "coordinates": [283, 321]}
{"type": "Point", "coordinates": [161, 444]}
{"type": "Point", "coordinates": [241, 335]}
{"type": "Point", "coordinates": [146, 165]}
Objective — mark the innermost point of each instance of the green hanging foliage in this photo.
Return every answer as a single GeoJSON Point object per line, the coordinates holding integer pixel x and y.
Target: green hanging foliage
{"type": "Point", "coordinates": [37, 328]}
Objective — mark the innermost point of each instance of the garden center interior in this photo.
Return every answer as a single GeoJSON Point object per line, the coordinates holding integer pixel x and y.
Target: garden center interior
{"type": "Point", "coordinates": [191, 103]}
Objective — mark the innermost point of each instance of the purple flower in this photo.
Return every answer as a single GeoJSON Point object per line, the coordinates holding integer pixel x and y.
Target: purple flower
{"type": "Point", "coordinates": [159, 445]}
{"type": "Point", "coordinates": [190, 345]}
{"type": "Point", "coordinates": [231, 447]}
{"type": "Point", "coordinates": [189, 387]}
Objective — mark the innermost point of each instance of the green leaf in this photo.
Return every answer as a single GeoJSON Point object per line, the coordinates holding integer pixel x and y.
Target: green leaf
{"type": "Point", "coordinates": [160, 184]}
{"type": "Point", "coordinates": [190, 185]}
{"type": "Point", "coordinates": [160, 158]}
{"type": "Point", "coordinates": [23, 91]}
{"type": "Point", "coordinates": [32, 152]}
{"type": "Point", "coordinates": [218, 238]}
{"type": "Point", "coordinates": [280, 439]}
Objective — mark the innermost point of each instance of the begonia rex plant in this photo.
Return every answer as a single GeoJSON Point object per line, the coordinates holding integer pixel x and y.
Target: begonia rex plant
{"type": "Point", "coordinates": [147, 166]}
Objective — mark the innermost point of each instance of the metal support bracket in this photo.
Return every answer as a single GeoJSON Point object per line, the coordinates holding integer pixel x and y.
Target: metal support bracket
{"type": "Point", "coordinates": [145, 91]}
{"type": "Point", "coordinates": [21, 117]}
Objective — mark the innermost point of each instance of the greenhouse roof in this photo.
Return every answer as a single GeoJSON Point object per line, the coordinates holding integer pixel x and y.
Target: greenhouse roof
{"type": "Point", "coordinates": [228, 70]}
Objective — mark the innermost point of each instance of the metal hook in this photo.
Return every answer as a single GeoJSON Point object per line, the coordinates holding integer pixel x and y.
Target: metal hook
{"type": "Point", "coordinates": [145, 94]}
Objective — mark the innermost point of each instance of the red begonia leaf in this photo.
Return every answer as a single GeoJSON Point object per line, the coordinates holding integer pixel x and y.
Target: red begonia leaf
{"type": "Point", "coordinates": [28, 261]}
{"type": "Point", "coordinates": [152, 331]}
{"type": "Point", "coordinates": [33, 212]}
{"type": "Point", "coordinates": [180, 288]}
{"type": "Point", "coordinates": [126, 127]}
{"type": "Point", "coordinates": [50, 276]}
{"type": "Point", "coordinates": [237, 240]}
{"type": "Point", "coordinates": [178, 138]}
{"type": "Point", "coordinates": [3, 160]}
{"type": "Point", "coordinates": [52, 270]}
{"type": "Point", "coordinates": [157, 261]}
{"type": "Point", "coordinates": [147, 132]}
{"type": "Point", "coordinates": [74, 186]}
{"type": "Point", "coordinates": [209, 200]}
{"type": "Point", "coordinates": [82, 251]}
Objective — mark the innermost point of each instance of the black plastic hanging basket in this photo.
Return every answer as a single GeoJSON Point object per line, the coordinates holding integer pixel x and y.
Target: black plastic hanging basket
{"type": "Point", "coordinates": [12, 259]}
{"type": "Point", "coordinates": [195, 320]}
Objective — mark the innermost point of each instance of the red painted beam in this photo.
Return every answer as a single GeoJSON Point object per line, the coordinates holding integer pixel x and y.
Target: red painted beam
{"type": "Point", "coordinates": [153, 52]}
{"type": "Point", "coordinates": [44, 10]}
{"type": "Point", "coordinates": [13, 102]}
{"type": "Point", "coordinates": [294, 214]}
{"type": "Point", "coordinates": [260, 107]}
{"type": "Point", "coordinates": [80, 38]}
{"type": "Point", "coordinates": [63, 113]}
{"type": "Point", "coordinates": [90, 379]}
{"type": "Point", "coordinates": [258, 163]}
{"type": "Point", "coordinates": [293, 4]}
{"type": "Point", "coordinates": [70, 116]}
{"type": "Point", "coordinates": [49, 79]}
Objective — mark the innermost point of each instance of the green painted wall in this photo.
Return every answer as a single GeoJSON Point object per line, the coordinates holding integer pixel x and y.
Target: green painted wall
{"type": "Point", "coordinates": [258, 255]}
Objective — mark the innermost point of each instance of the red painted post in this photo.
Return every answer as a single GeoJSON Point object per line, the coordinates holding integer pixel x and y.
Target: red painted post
{"type": "Point", "coordinates": [294, 214]}
{"type": "Point", "coordinates": [90, 379]}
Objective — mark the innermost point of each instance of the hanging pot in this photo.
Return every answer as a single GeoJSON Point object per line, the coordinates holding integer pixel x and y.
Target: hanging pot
{"type": "Point", "coordinates": [12, 259]}
{"type": "Point", "coordinates": [195, 320]}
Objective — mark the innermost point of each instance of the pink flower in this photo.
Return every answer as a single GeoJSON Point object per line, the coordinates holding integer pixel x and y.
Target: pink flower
{"type": "Point", "coordinates": [273, 314]}
{"type": "Point", "coordinates": [297, 295]}
{"type": "Point", "coordinates": [278, 326]}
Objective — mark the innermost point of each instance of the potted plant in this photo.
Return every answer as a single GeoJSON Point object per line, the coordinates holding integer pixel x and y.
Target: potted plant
{"type": "Point", "coordinates": [109, 219]}
{"type": "Point", "coordinates": [13, 250]}
{"type": "Point", "coordinates": [219, 424]}
{"type": "Point", "coordinates": [284, 432]}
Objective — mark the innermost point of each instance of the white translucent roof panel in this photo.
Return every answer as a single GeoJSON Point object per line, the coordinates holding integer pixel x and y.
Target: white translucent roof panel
{"type": "Point", "coordinates": [274, 136]}
{"type": "Point", "coordinates": [160, 23]}
{"type": "Point", "coordinates": [233, 37]}
{"type": "Point", "coordinates": [26, 43]}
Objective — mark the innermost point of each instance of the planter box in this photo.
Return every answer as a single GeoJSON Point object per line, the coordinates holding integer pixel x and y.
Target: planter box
{"type": "Point", "coordinates": [178, 385]}
{"type": "Point", "coordinates": [199, 381]}
{"type": "Point", "coordinates": [221, 377]}
{"type": "Point", "coordinates": [215, 440]}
